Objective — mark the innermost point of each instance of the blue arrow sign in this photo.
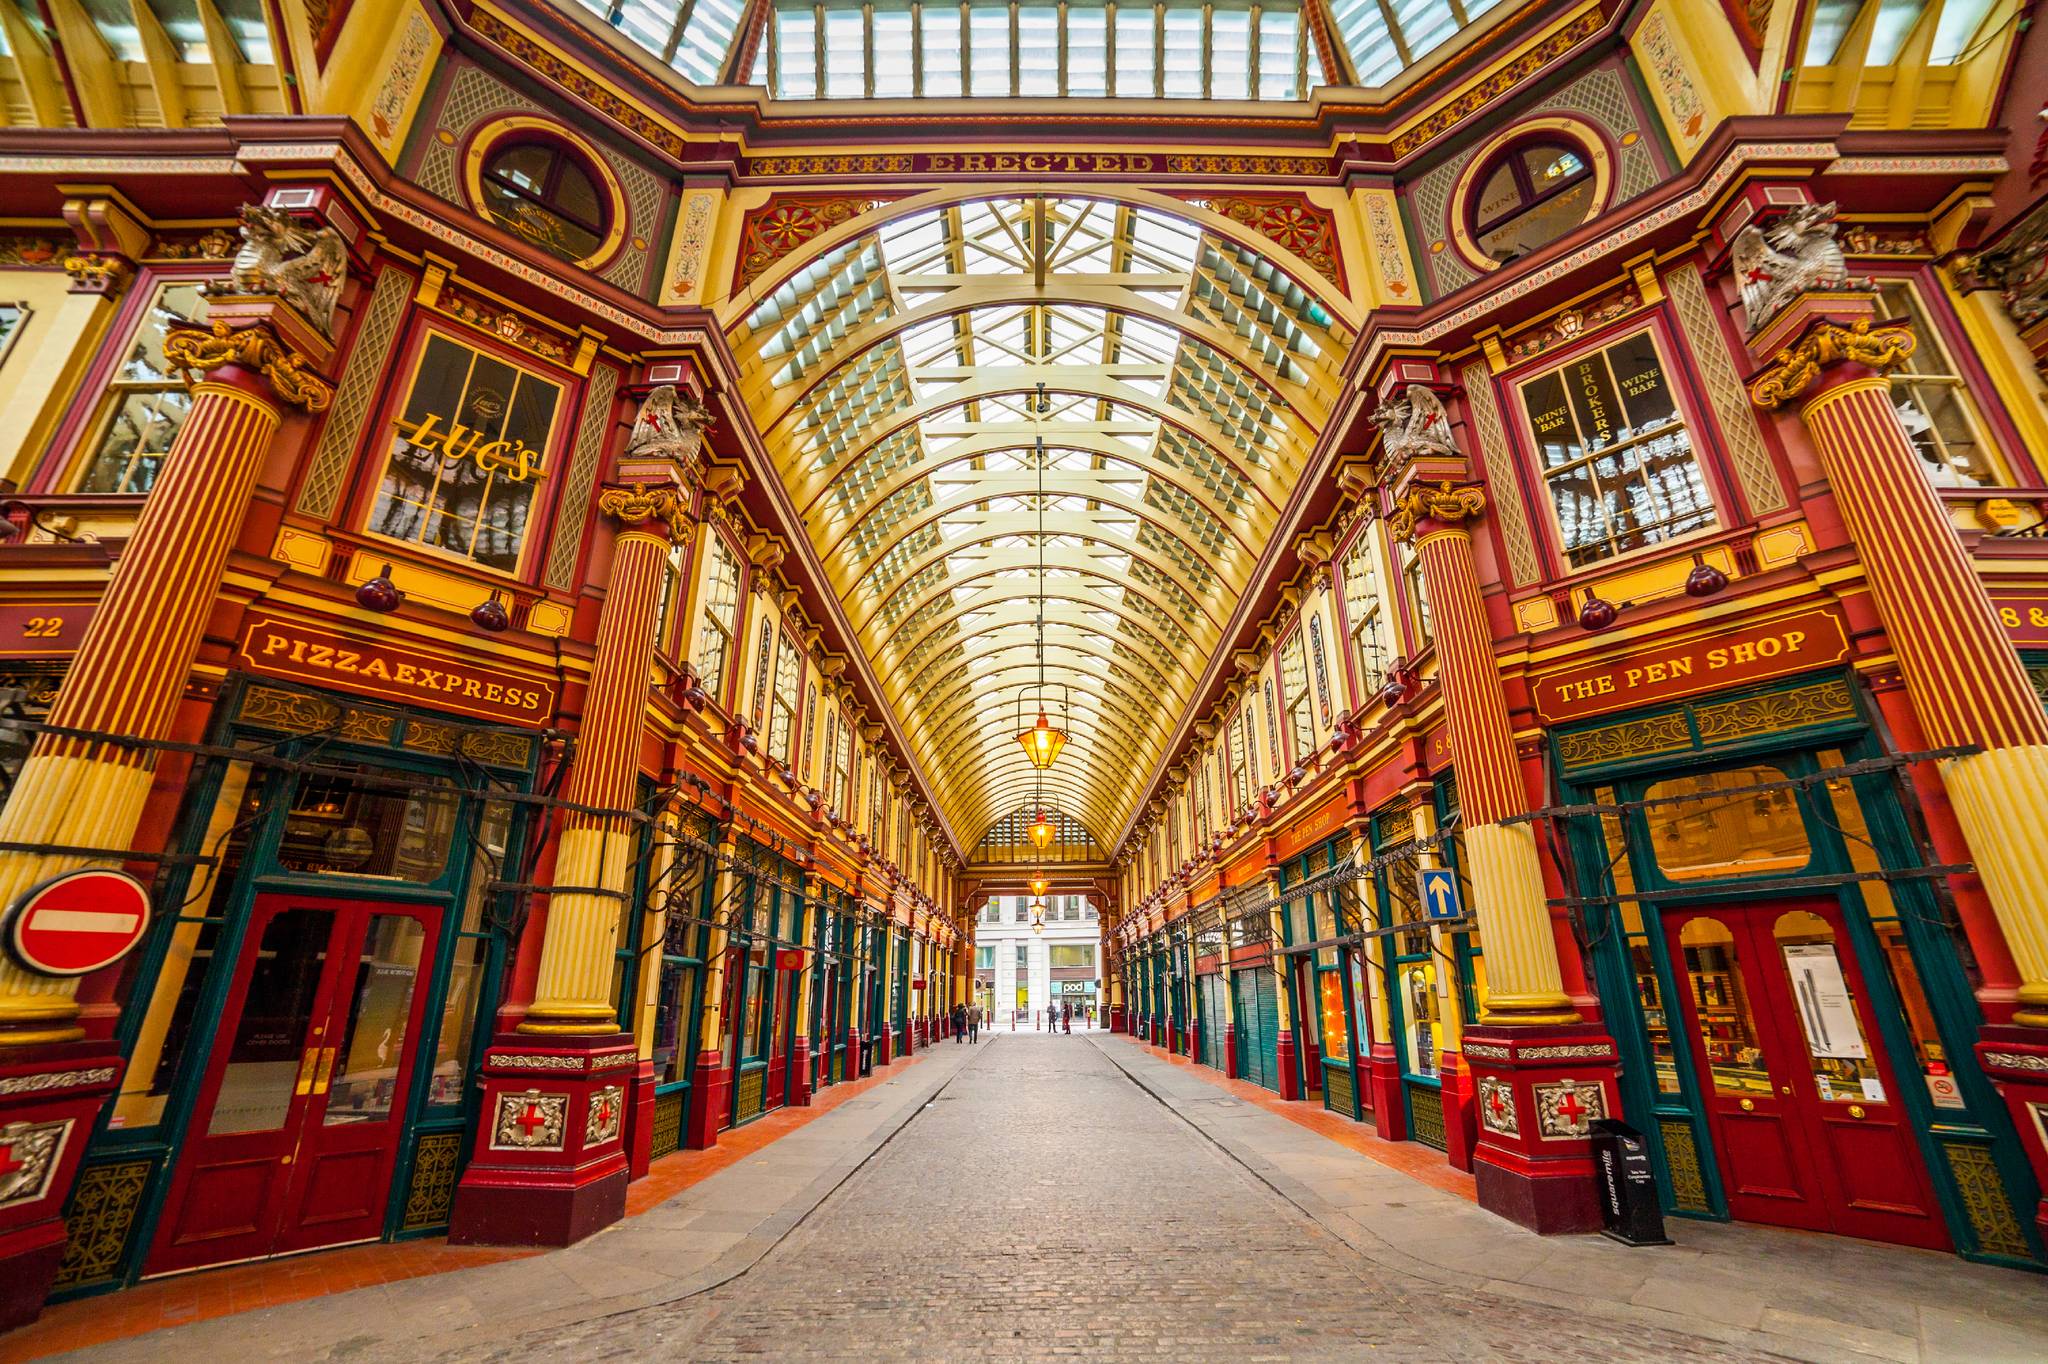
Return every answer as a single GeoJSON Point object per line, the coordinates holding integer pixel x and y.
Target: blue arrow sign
{"type": "Point", "coordinates": [1439, 887]}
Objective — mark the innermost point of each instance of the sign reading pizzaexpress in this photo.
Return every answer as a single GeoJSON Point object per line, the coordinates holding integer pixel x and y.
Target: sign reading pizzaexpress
{"type": "Point", "coordinates": [390, 672]}
{"type": "Point", "coordinates": [1757, 653]}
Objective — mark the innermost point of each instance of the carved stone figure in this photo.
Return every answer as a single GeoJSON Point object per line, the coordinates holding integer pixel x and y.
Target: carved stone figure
{"type": "Point", "coordinates": [1794, 255]}
{"type": "Point", "coordinates": [671, 425]}
{"type": "Point", "coordinates": [1414, 424]}
{"type": "Point", "coordinates": [305, 266]}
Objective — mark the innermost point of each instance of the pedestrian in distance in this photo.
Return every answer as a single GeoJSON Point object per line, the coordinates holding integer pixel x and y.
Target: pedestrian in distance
{"type": "Point", "coordinates": [1067, 1019]}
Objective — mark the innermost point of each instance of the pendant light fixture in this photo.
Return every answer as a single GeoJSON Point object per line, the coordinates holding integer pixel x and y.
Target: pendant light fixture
{"type": "Point", "coordinates": [1042, 740]}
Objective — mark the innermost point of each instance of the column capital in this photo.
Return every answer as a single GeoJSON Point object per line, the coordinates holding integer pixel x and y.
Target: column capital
{"type": "Point", "coordinates": [99, 272]}
{"type": "Point", "coordinates": [1795, 370]}
{"type": "Point", "coordinates": [254, 348]}
{"type": "Point", "coordinates": [1445, 505]}
{"type": "Point", "coordinates": [633, 507]}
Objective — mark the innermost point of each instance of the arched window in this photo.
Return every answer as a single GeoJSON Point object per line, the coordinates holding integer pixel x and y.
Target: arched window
{"type": "Point", "coordinates": [544, 192]}
{"type": "Point", "coordinates": [1530, 195]}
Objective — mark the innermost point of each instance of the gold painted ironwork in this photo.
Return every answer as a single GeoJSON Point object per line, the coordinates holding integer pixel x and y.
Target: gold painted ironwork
{"type": "Point", "coordinates": [1793, 370]}
{"type": "Point", "coordinates": [430, 1197]}
{"type": "Point", "coordinates": [99, 1221]}
{"type": "Point", "coordinates": [253, 348]}
{"type": "Point", "coordinates": [1665, 733]}
{"type": "Point", "coordinates": [1770, 714]}
{"type": "Point", "coordinates": [1985, 1200]}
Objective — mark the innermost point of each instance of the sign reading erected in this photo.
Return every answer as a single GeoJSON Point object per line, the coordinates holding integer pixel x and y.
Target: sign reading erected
{"type": "Point", "coordinates": [390, 672]}
{"type": "Point", "coordinates": [77, 923]}
{"type": "Point", "coordinates": [1439, 889]}
{"type": "Point", "coordinates": [1790, 644]}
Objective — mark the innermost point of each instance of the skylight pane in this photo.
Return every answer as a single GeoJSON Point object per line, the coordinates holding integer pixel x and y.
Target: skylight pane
{"type": "Point", "coordinates": [1038, 51]}
{"type": "Point", "coordinates": [646, 23]}
{"type": "Point", "coordinates": [1279, 31]}
{"type": "Point", "coordinates": [708, 39]}
{"type": "Point", "coordinates": [892, 53]}
{"type": "Point", "coordinates": [942, 51]}
{"type": "Point", "coordinates": [1364, 29]}
{"type": "Point", "coordinates": [1230, 54]}
{"type": "Point", "coordinates": [1182, 59]}
{"type": "Point", "coordinates": [1087, 51]}
{"type": "Point", "coordinates": [1424, 24]}
{"type": "Point", "coordinates": [1136, 62]}
{"type": "Point", "coordinates": [1960, 20]}
{"type": "Point", "coordinates": [989, 51]}
{"type": "Point", "coordinates": [795, 55]}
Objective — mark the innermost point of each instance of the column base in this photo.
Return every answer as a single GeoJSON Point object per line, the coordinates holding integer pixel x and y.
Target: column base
{"type": "Point", "coordinates": [800, 1073]}
{"type": "Point", "coordinates": [885, 1043]}
{"type": "Point", "coordinates": [640, 1129]}
{"type": "Point", "coordinates": [1116, 1018]}
{"type": "Point", "coordinates": [1389, 1104]}
{"type": "Point", "coordinates": [1229, 1051]}
{"type": "Point", "coordinates": [53, 1096]}
{"type": "Point", "coordinates": [549, 1166]}
{"type": "Point", "coordinates": [1284, 1058]}
{"type": "Point", "coordinates": [1192, 1039]}
{"type": "Point", "coordinates": [1537, 1089]}
{"type": "Point", "coordinates": [2015, 1060]}
{"type": "Point", "coordinates": [708, 1098]}
{"type": "Point", "coordinates": [1461, 1135]}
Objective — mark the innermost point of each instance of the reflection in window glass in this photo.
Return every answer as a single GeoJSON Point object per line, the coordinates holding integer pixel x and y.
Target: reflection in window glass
{"type": "Point", "coordinates": [1715, 829]}
{"type": "Point", "coordinates": [148, 400]}
{"type": "Point", "coordinates": [365, 1083]}
{"type": "Point", "coordinates": [1735, 1053]}
{"type": "Point", "coordinates": [359, 821]}
{"type": "Point", "coordinates": [1934, 402]}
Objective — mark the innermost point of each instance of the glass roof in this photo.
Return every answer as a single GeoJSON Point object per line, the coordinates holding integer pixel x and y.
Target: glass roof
{"type": "Point", "coordinates": [918, 386]}
{"type": "Point", "coordinates": [1166, 49]}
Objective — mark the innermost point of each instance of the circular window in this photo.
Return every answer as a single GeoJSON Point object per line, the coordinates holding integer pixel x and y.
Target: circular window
{"type": "Point", "coordinates": [547, 194]}
{"type": "Point", "coordinates": [1529, 196]}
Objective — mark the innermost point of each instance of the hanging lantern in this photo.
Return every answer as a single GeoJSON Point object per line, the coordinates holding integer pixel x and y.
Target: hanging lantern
{"type": "Point", "coordinates": [1038, 885]}
{"type": "Point", "coordinates": [1042, 743]}
{"type": "Point", "coordinates": [1041, 828]}
{"type": "Point", "coordinates": [1037, 915]}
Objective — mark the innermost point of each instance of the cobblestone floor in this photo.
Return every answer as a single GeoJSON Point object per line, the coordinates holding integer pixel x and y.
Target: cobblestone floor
{"type": "Point", "coordinates": [1043, 1206]}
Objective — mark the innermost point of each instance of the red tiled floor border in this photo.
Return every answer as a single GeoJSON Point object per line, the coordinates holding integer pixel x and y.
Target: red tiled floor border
{"type": "Point", "coordinates": [231, 1289]}
{"type": "Point", "coordinates": [1424, 1164]}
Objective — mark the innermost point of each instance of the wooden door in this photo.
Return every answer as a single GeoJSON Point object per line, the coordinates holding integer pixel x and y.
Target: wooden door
{"type": "Point", "coordinates": [295, 1133]}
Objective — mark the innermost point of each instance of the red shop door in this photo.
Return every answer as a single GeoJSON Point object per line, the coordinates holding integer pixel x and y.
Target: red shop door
{"type": "Point", "coordinates": [292, 1142]}
{"type": "Point", "coordinates": [1803, 1103]}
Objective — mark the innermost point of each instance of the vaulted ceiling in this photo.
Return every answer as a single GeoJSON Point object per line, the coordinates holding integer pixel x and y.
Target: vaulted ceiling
{"type": "Point", "coordinates": [918, 386]}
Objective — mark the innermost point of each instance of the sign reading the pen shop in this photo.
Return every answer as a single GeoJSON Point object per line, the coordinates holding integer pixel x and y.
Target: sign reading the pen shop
{"type": "Point", "coordinates": [391, 672]}
{"type": "Point", "coordinates": [1755, 653]}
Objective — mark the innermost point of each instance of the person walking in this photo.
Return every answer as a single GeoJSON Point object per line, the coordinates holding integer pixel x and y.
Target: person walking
{"type": "Point", "coordinates": [959, 1022]}
{"type": "Point", "coordinates": [974, 1024]}
{"type": "Point", "coordinates": [1067, 1019]}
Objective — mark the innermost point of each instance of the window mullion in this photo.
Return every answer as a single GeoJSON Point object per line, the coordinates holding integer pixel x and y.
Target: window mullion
{"type": "Point", "coordinates": [1301, 53]}
{"type": "Point", "coordinates": [867, 49]}
{"type": "Point", "coordinates": [1016, 60]}
{"type": "Point", "coordinates": [917, 47]}
{"type": "Point", "coordinates": [1158, 51]}
{"type": "Point", "coordinates": [1208, 50]}
{"type": "Point", "coordinates": [1252, 53]}
{"type": "Point", "coordinates": [1063, 48]}
{"type": "Point", "coordinates": [1109, 48]}
{"type": "Point", "coordinates": [818, 46]}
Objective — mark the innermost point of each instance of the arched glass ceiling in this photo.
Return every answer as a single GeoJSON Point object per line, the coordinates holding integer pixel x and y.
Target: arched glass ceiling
{"type": "Point", "coordinates": [897, 380]}
{"type": "Point", "coordinates": [1165, 49]}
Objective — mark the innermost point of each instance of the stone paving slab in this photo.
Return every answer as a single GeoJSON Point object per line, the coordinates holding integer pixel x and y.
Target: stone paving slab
{"type": "Point", "coordinates": [1795, 1294]}
{"type": "Point", "coordinates": [704, 1236]}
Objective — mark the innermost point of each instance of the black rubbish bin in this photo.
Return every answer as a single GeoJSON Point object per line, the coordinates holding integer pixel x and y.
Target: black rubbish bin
{"type": "Point", "coordinates": [1629, 1208]}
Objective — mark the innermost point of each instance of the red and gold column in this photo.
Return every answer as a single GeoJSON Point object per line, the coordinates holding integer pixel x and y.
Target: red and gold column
{"type": "Point", "coordinates": [1538, 1074]}
{"type": "Point", "coordinates": [78, 791]}
{"type": "Point", "coordinates": [1960, 671]}
{"type": "Point", "coordinates": [550, 1163]}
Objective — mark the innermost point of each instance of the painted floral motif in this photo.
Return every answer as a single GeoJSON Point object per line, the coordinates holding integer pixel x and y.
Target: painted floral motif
{"type": "Point", "coordinates": [690, 242]}
{"type": "Point", "coordinates": [407, 62]}
{"type": "Point", "coordinates": [783, 224]}
{"type": "Point", "coordinates": [1289, 221]}
{"type": "Point", "coordinates": [1673, 79]}
{"type": "Point", "coordinates": [1386, 245]}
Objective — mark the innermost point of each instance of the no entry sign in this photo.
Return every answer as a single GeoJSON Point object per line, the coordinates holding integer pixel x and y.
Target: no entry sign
{"type": "Point", "coordinates": [74, 924]}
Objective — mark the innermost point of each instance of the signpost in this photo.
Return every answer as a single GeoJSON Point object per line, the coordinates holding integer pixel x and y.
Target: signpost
{"type": "Point", "coordinates": [77, 923]}
{"type": "Point", "coordinates": [1439, 889]}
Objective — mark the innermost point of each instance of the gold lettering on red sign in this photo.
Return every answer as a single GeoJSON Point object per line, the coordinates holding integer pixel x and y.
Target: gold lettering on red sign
{"type": "Point", "coordinates": [308, 653]}
{"type": "Point", "coordinates": [1791, 644]}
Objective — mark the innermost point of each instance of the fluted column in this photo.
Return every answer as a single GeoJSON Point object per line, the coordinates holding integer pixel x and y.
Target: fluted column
{"type": "Point", "coordinates": [1524, 981]}
{"type": "Point", "coordinates": [572, 994]}
{"type": "Point", "coordinates": [132, 666]}
{"type": "Point", "coordinates": [1961, 672]}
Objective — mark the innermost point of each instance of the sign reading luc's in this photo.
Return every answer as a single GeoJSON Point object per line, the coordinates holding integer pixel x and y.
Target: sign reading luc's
{"type": "Point", "coordinates": [1791, 644]}
{"type": "Point", "coordinates": [308, 653]}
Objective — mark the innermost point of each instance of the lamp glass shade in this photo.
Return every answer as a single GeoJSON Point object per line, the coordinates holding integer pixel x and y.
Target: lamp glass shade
{"type": "Point", "coordinates": [1038, 885]}
{"type": "Point", "coordinates": [1041, 829]}
{"type": "Point", "coordinates": [1042, 743]}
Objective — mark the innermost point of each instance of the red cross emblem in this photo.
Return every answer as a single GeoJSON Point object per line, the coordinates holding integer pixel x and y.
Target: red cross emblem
{"type": "Point", "coordinates": [531, 1119]}
{"type": "Point", "coordinates": [1756, 274]}
{"type": "Point", "coordinates": [604, 1112]}
{"type": "Point", "coordinates": [324, 277]}
{"type": "Point", "coordinates": [8, 1162]}
{"type": "Point", "coordinates": [1569, 1108]}
{"type": "Point", "coordinates": [1496, 1104]}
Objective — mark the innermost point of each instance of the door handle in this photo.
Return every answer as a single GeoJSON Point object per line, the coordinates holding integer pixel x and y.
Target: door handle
{"type": "Point", "coordinates": [1748, 1105]}
{"type": "Point", "coordinates": [325, 1072]}
{"type": "Point", "coordinates": [1785, 1090]}
{"type": "Point", "coordinates": [1856, 1111]}
{"type": "Point", "coordinates": [307, 1064]}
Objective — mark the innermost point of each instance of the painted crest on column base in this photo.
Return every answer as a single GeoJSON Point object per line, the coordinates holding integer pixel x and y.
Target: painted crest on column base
{"type": "Point", "coordinates": [1537, 1090]}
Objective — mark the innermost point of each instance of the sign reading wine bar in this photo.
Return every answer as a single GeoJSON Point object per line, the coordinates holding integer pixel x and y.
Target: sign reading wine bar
{"type": "Point", "coordinates": [391, 672]}
{"type": "Point", "coordinates": [1756, 653]}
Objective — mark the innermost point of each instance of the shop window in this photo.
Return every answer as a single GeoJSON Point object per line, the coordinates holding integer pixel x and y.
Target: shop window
{"type": "Point", "coordinates": [467, 456]}
{"type": "Point", "coordinates": [1296, 700]}
{"type": "Point", "coordinates": [1073, 956]}
{"type": "Point", "coordinates": [721, 615]}
{"type": "Point", "coordinates": [1529, 196]}
{"type": "Point", "coordinates": [1236, 738]}
{"type": "Point", "coordinates": [456, 1038]}
{"type": "Point", "coordinates": [1419, 614]}
{"type": "Point", "coordinates": [674, 572]}
{"type": "Point", "coordinates": [1617, 458]}
{"type": "Point", "coordinates": [1934, 402]}
{"type": "Point", "coordinates": [146, 399]}
{"type": "Point", "coordinates": [1330, 994]}
{"type": "Point", "coordinates": [1707, 825]}
{"type": "Point", "coordinates": [1728, 1034]}
{"type": "Point", "coordinates": [13, 317]}
{"type": "Point", "coordinates": [1649, 985]}
{"type": "Point", "coordinates": [985, 958]}
{"type": "Point", "coordinates": [365, 822]}
{"type": "Point", "coordinates": [548, 195]}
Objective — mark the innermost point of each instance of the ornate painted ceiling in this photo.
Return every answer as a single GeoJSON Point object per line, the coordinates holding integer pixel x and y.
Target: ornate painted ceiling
{"type": "Point", "coordinates": [917, 383]}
